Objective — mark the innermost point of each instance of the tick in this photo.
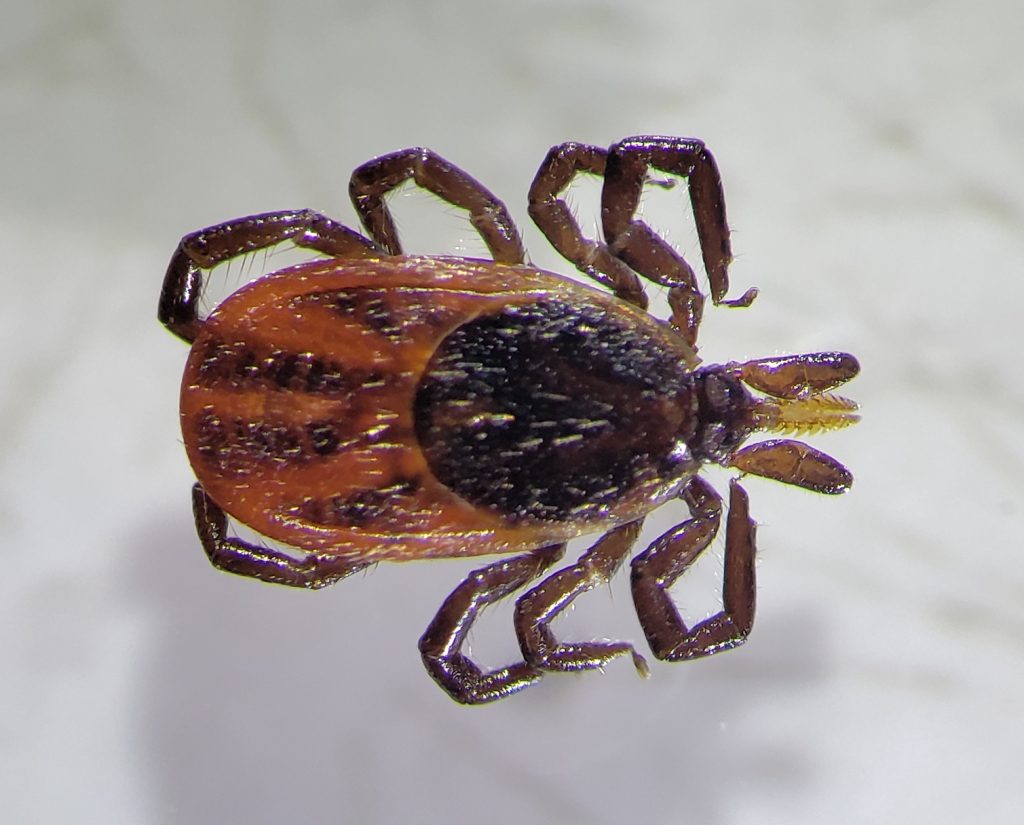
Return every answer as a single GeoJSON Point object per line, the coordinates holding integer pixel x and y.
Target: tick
{"type": "Point", "coordinates": [372, 406]}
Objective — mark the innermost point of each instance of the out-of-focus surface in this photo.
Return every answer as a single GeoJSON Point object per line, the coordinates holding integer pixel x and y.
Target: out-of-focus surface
{"type": "Point", "coordinates": [873, 159]}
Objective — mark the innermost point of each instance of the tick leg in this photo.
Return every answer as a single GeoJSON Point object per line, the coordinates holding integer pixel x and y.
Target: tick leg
{"type": "Point", "coordinates": [633, 241]}
{"type": "Point", "coordinates": [234, 555]}
{"type": "Point", "coordinates": [536, 609]}
{"type": "Point", "coordinates": [183, 284]}
{"type": "Point", "coordinates": [441, 643]}
{"type": "Point", "coordinates": [555, 219]}
{"type": "Point", "coordinates": [668, 558]}
{"type": "Point", "coordinates": [374, 179]}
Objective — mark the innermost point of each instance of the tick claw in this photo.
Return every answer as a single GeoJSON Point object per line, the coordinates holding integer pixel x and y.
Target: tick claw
{"type": "Point", "coordinates": [643, 670]}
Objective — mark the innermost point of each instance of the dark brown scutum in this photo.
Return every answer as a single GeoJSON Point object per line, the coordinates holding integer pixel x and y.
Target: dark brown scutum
{"type": "Point", "coordinates": [550, 411]}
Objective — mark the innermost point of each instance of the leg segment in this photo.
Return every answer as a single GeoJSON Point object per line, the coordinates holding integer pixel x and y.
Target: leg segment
{"type": "Point", "coordinates": [183, 284]}
{"type": "Point", "coordinates": [633, 241]}
{"type": "Point", "coordinates": [374, 179]}
{"type": "Point", "coordinates": [246, 559]}
{"type": "Point", "coordinates": [554, 218]}
{"type": "Point", "coordinates": [538, 608]}
{"type": "Point", "coordinates": [669, 557]}
{"type": "Point", "coordinates": [441, 643]}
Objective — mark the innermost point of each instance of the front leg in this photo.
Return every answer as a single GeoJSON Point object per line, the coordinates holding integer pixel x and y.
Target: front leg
{"type": "Point", "coordinates": [655, 570]}
{"type": "Point", "coordinates": [633, 241]}
{"type": "Point", "coordinates": [441, 643]}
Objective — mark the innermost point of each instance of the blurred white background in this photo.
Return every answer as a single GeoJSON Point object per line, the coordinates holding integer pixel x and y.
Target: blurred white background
{"type": "Point", "coordinates": [873, 159]}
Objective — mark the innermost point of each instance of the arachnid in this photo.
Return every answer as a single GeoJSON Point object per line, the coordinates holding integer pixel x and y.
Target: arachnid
{"type": "Point", "coordinates": [371, 405]}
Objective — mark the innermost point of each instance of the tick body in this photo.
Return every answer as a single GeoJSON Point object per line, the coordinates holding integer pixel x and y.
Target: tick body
{"type": "Point", "coordinates": [337, 406]}
{"type": "Point", "coordinates": [370, 406]}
